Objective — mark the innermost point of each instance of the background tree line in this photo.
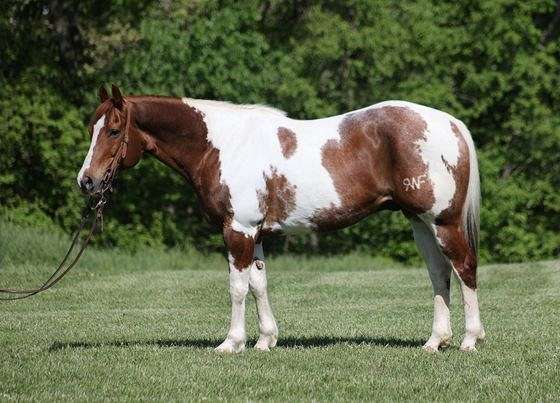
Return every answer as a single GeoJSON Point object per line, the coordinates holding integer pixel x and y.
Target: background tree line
{"type": "Point", "coordinates": [492, 63]}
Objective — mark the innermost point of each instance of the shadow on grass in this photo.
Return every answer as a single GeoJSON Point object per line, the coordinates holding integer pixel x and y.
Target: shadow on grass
{"type": "Point", "coordinates": [288, 342]}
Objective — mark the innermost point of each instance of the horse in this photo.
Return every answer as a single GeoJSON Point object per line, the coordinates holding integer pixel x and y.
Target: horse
{"type": "Point", "coordinates": [256, 171]}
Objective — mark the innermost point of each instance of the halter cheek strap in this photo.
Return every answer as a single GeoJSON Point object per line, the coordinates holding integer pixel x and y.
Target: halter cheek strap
{"type": "Point", "coordinates": [124, 146]}
{"type": "Point", "coordinates": [119, 157]}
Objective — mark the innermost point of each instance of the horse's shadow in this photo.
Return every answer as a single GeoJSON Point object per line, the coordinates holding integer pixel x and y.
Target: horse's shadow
{"type": "Point", "coordinates": [287, 342]}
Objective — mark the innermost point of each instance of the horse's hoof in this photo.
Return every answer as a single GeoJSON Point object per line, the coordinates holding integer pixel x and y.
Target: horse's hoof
{"type": "Point", "coordinates": [468, 345]}
{"type": "Point", "coordinates": [265, 343]}
{"type": "Point", "coordinates": [262, 347]}
{"type": "Point", "coordinates": [429, 348]}
{"type": "Point", "coordinates": [435, 343]}
{"type": "Point", "coordinates": [230, 347]}
{"type": "Point", "coordinates": [445, 344]}
{"type": "Point", "coordinates": [470, 341]}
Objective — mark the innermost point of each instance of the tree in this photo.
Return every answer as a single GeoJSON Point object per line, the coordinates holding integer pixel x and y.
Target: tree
{"type": "Point", "coordinates": [494, 64]}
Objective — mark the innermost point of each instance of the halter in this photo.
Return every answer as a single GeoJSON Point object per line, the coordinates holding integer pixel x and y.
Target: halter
{"type": "Point", "coordinates": [96, 203]}
{"type": "Point", "coordinates": [106, 185]}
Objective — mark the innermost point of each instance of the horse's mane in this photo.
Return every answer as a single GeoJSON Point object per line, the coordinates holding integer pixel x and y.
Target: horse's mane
{"type": "Point", "coordinates": [107, 105]}
{"type": "Point", "coordinates": [232, 106]}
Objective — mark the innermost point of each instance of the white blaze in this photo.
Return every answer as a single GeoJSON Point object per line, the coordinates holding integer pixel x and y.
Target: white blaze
{"type": "Point", "coordinates": [87, 162]}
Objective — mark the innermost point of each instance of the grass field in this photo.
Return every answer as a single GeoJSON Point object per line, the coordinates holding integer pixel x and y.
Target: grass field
{"type": "Point", "coordinates": [143, 327]}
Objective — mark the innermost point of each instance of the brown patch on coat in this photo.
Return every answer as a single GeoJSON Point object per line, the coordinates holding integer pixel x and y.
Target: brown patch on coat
{"type": "Point", "coordinates": [240, 246]}
{"type": "Point", "coordinates": [455, 246]}
{"type": "Point", "coordinates": [288, 141]}
{"type": "Point", "coordinates": [377, 150]}
{"type": "Point", "coordinates": [278, 199]}
{"type": "Point", "coordinates": [178, 137]}
{"type": "Point", "coordinates": [212, 192]}
{"type": "Point", "coordinates": [406, 128]}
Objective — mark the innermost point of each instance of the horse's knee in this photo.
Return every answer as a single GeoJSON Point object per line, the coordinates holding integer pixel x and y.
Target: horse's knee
{"type": "Point", "coordinates": [238, 291]}
{"type": "Point", "coordinates": [257, 282]}
{"type": "Point", "coordinates": [238, 285]}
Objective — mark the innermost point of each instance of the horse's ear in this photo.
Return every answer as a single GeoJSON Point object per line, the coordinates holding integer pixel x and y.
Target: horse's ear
{"type": "Point", "coordinates": [103, 94]}
{"type": "Point", "coordinates": [118, 100]}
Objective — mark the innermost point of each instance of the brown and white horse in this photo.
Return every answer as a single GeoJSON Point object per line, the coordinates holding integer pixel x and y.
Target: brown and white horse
{"type": "Point", "coordinates": [256, 171]}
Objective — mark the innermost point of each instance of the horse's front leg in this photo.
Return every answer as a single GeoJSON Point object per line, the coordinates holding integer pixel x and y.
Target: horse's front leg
{"type": "Point", "coordinates": [258, 284]}
{"type": "Point", "coordinates": [241, 247]}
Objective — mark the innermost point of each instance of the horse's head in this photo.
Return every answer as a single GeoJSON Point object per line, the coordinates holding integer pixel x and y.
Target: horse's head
{"type": "Point", "coordinates": [114, 142]}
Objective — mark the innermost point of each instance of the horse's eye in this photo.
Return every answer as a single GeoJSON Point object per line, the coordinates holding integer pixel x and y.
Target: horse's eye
{"type": "Point", "coordinates": [114, 132]}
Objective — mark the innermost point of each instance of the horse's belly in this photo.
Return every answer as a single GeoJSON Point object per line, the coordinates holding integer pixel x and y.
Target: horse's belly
{"type": "Point", "coordinates": [312, 192]}
{"type": "Point", "coordinates": [324, 184]}
{"type": "Point", "coordinates": [318, 205]}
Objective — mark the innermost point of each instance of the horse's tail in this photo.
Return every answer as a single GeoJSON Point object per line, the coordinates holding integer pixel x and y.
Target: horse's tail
{"type": "Point", "coordinates": [471, 208]}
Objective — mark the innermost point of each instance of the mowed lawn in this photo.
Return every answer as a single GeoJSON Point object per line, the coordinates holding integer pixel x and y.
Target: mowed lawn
{"type": "Point", "coordinates": [143, 327]}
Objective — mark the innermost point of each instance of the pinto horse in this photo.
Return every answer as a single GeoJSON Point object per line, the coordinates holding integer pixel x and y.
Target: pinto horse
{"type": "Point", "coordinates": [256, 171]}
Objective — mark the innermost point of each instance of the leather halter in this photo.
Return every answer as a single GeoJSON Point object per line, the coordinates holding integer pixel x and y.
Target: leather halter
{"type": "Point", "coordinates": [106, 185]}
{"type": "Point", "coordinates": [118, 158]}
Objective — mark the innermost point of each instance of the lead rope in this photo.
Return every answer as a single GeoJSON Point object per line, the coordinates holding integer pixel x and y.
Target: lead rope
{"type": "Point", "coordinates": [60, 271]}
{"type": "Point", "coordinates": [95, 203]}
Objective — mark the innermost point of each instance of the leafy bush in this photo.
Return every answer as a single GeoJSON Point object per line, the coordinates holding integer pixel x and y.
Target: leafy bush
{"type": "Point", "coordinates": [493, 64]}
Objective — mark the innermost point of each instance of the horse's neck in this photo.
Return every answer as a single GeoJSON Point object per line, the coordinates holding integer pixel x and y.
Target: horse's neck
{"type": "Point", "coordinates": [186, 131]}
{"type": "Point", "coordinates": [178, 133]}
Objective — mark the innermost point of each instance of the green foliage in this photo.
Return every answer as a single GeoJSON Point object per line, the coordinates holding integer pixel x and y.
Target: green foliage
{"type": "Point", "coordinates": [40, 147]}
{"type": "Point", "coordinates": [494, 64]}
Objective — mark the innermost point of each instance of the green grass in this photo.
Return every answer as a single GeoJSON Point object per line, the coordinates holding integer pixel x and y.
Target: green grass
{"type": "Point", "coordinates": [143, 327]}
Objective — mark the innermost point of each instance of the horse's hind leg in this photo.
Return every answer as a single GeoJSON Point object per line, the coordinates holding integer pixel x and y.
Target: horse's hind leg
{"type": "Point", "coordinates": [474, 330]}
{"type": "Point", "coordinates": [258, 285]}
{"type": "Point", "coordinates": [464, 262]}
{"type": "Point", "coordinates": [439, 269]}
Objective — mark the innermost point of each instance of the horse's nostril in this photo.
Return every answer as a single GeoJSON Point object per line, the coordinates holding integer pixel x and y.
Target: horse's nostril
{"type": "Point", "coordinates": [86, 183]}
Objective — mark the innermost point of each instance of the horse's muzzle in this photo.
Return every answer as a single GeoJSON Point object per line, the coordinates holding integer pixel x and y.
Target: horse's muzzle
{"type": "Point", "coordinates": [87, 185]}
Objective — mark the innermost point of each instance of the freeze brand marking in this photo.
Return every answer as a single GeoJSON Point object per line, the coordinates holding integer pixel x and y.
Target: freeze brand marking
{"type": "Point", "coordinates": [414, 183]}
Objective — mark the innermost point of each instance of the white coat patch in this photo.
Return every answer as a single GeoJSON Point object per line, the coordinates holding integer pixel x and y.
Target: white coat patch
{"type": "Point", "coordinates": [239, 130]}
{"type": "Point", "coordinates": [87, 162]}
